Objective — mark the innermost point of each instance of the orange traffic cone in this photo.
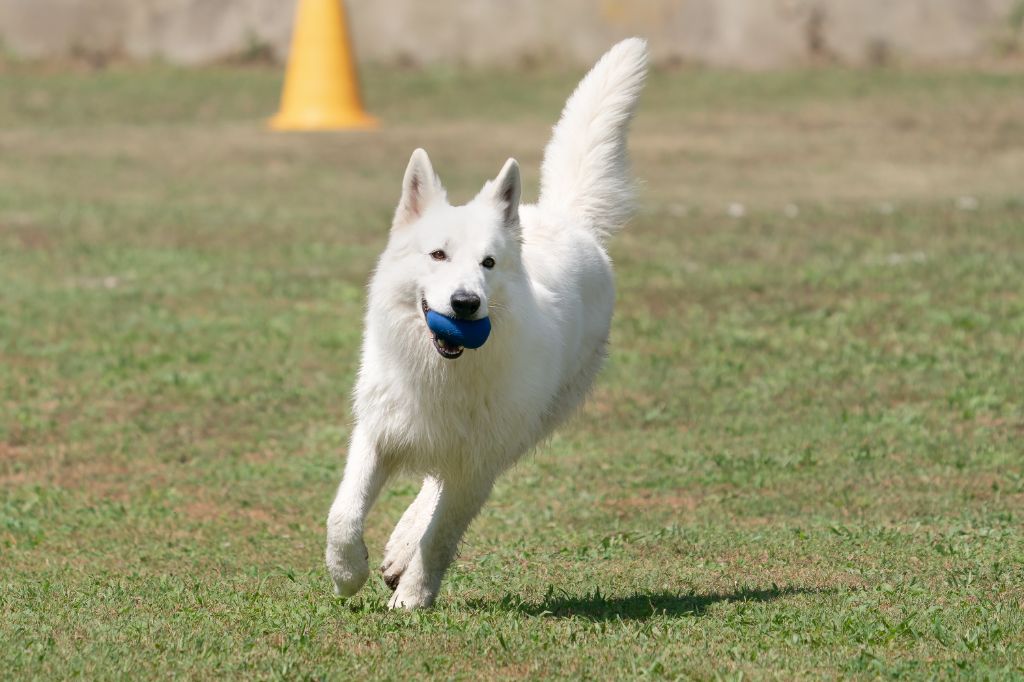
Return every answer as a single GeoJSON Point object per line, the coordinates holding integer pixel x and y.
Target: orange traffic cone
{"type": "Point", "coordinates": [321, 89]}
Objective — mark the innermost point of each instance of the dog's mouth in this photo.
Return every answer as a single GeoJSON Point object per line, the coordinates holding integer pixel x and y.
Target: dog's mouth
{"type": "Point", "coordinates": [446, 350]}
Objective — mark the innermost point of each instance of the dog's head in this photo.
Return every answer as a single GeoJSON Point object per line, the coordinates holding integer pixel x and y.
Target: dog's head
{"type": "Point", "coordinates": [455, 260]}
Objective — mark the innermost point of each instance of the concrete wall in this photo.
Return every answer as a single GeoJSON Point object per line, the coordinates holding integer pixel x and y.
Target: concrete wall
{"type": "Point", "coordinates": [741, 33]}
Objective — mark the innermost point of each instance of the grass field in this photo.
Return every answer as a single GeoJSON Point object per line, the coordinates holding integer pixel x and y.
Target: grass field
{"type": "Point", "coordinates": [804, 459]}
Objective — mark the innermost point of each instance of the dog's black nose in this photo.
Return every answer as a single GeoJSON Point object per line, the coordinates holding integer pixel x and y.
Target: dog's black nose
{"type": "Point", "coordinates": [465, 303]}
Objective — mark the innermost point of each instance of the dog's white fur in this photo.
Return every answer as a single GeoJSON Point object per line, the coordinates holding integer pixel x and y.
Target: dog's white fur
{"type": "Point", "coordinates": [461, 422]}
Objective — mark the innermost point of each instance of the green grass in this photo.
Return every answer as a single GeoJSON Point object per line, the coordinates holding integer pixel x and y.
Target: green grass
{"type": "Point", "coordinates": [804, 459]}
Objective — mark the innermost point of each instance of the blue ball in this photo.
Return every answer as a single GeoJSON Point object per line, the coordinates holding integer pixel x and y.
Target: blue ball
{"type": "Point", "coordinates": [467, 333]}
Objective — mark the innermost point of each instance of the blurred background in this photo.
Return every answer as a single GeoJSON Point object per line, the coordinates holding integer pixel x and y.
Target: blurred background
{"type": "Point", "coordinates": [754, 34]}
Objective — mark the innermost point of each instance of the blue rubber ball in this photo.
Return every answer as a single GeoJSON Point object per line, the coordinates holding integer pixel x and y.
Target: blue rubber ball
{"type": "Point", "coordinates": [467, 333]}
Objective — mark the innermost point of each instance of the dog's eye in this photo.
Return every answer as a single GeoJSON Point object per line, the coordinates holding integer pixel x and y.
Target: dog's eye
{"type": "Point", "coordinates": [439, 255]}
{"type": "Point", "coordinates": [488, 263]}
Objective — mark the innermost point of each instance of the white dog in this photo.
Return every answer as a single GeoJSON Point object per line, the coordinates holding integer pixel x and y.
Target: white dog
{"type": "Point", "coordinates": [542, 274]}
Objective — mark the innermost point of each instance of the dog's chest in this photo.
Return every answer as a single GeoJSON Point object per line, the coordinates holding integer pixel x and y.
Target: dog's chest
{"type": "Point", "coordinates": [451, 427]}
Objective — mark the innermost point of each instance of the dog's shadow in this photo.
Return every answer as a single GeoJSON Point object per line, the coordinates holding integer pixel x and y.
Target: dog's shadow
{"type": "Point", "coordinates": [598, 607]}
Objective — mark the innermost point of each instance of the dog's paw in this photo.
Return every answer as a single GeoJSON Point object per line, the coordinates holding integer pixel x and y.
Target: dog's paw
{"type": "Point", "coordinates": [349, 566]}
{"type": "Point", "coordinates": [415, 589]}
{"type": "Point", "coordinates": [392, 574]}
{"type": "Point", "coordinates": [396, 559]}
{"type": "Point", "coordinates": [412, 594]}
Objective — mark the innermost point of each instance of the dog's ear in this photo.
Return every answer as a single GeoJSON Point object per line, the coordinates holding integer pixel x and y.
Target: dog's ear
{"type": "Point", "coordinates": [420, 187]}
{"type": "Point", "coordinates": [506, 189]}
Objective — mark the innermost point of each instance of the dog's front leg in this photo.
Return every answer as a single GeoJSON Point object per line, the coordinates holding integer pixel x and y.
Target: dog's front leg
{"type": "Point", "coordinates": [365, 474]}
{"type": "Point", "coordinates": [406, 536]}
{"type": "Point", "coordinates": [457, 505]}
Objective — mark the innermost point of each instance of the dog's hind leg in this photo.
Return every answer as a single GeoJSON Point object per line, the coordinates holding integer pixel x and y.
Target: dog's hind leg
{"type": "Point", "coordinates": [457, 505]}
{"type": "Point", "coordinates": [365, 475]}
{"type": "Point", "coordinates": [407, 534]}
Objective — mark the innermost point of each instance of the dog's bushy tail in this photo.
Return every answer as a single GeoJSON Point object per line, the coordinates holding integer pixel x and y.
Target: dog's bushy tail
{"type": "Point", "coordinates": [586, 170]}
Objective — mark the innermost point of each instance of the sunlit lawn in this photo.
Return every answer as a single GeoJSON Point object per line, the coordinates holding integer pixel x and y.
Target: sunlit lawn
{"type": "Point", "coordinates": [805, 457]}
